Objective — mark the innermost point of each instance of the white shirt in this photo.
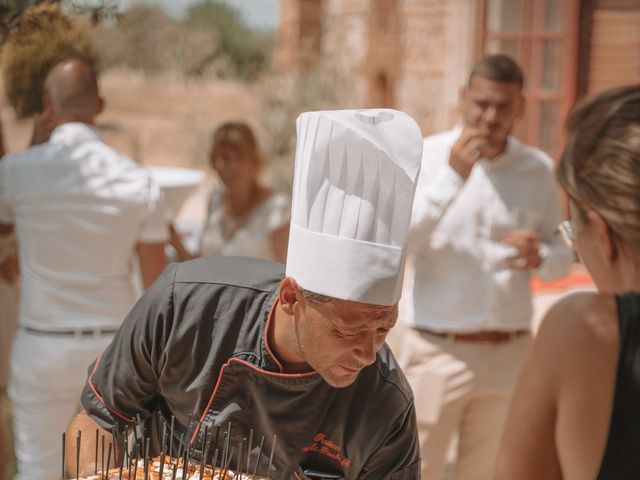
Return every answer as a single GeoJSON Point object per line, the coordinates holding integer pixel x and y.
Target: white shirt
{"type": "Point", "coordinates": [249, 236]}
{"type": "Point", "coordinates": [462, 282]}
{"type": "Point", "coordinates": [79, 208]}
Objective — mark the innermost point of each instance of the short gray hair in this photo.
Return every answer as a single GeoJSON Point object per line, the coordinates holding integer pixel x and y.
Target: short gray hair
{"type": "Point", "coordinates": [317, 298]}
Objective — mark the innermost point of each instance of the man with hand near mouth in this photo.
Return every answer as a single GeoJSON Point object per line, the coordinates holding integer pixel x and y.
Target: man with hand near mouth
{"type": "Point", "coordinates": [484, 221]}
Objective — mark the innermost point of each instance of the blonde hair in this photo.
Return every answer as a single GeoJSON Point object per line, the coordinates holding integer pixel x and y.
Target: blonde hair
{"type": "Point", "coordinates": [600, 166]}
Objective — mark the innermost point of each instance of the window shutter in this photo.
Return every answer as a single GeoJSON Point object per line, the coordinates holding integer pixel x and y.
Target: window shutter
{"type": "Point", "coordinates": [614, 57]}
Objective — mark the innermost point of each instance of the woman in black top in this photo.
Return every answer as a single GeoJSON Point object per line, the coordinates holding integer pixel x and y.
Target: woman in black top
{"type": "Point", "coordinates": [576, 411]}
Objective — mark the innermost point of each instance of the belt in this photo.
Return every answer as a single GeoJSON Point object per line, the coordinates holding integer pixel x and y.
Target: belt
{"type": "Point", "coordinates": [489, 336]}
{"type": "Point", "coordinates": [74, 332]}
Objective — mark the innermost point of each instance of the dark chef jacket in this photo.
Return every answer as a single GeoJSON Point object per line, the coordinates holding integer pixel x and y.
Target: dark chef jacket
{"type": "Point", "coordinates": [195, 344]}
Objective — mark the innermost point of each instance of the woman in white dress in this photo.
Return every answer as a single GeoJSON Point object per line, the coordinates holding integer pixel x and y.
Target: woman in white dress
{"type": "Point", "coordinates": [244, 218]}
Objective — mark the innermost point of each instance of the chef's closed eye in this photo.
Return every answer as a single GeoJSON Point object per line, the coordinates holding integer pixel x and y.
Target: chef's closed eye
{"type": "Point", "coordinates": [347, 335]}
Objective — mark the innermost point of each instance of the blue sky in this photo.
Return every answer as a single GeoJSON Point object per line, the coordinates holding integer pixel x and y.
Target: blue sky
{"type": "Point", "coordinates": [261, 14]}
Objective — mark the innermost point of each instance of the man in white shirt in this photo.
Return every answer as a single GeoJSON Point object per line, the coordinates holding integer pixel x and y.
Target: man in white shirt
{"type": "Point", "coordinates": [484, 220]}
{"type": "Point", "coordinates": [80, 211]}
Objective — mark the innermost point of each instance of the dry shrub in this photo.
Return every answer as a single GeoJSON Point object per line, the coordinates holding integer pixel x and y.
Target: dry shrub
{"type": "Point", "coordinates": [210, 42]}
{"type": "Point", "coordinates": [145, 38]}
{"type": "Point", "coordinates": [42, 37]}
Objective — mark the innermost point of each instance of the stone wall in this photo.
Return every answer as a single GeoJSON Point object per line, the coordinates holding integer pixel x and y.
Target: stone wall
{"type": "Point", "coordinates": [412, 55]}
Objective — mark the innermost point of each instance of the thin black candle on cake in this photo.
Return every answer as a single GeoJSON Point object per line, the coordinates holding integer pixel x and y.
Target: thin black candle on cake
{"type": "Point", "coordinates": [121, 466]}
{"type": "Point", "coordinates": [135, 465]}
{"type": "Point", "coordinates": [140, 424]}
{"type": "Point", "coordinates": [226, 467]}
{"type": "Point", "coordinates": [126, 455]}
{"type": "Point", "coordinates": [215, 438]}
{"type": "Point", "coordinates": [115, 438]}
{"type": "Point", "coordinates": [64, 435]}
{"type": "Point", "coordinates": [226, 446]}
{"type": "Point", "coordinates": [136, 440]}
{"type": "Point", "coordinates": [215, 459]}
{"type": "Point", "coordinates": [249, 450]}
{"type": "Point", "coordinates": [187, 441]}
{"type": "Point", "coordinates": [163, 446]}
{"type": "Point", "coordinates": [206, 443]}
{"type": "Point", "coordinates": [175, 471]}
{"type": "Point", "coordinates": [135, 447]}
{"type": "Point", "coordinates": [146, 459]}
{"type": "Point", "coordinates": [95, 470]}
{"type": "Point", "coordinates": [241, 448]}
{"type": "Point", "coordinates": [273, 449]}
{"type": "Point", "coordinates": [102, 454]}
{"type": "Point", "coordinates": [113, 453]}
{"type": "Point", "coordinates": [188, 455]}
{"type": "Point", "coordinates": [223, 453]}
{"type": "Point", "coordinates": [173, 421]}
{"type": "Point", "coordinates": [144, 446]}
{"type": "Point", "coordinates": [138, 433]}
{"type": "Point", "coordinates": [164, 433]}
{"type": "Point", "coordinates": [78, 442]}
{"type": "Point", "coordinates": [255, 470]}
{"type": "Point", "coordinates": [162, 455]}
{"type": "Point", "coordinates": [106, 472]}
{"type": "Point", "coordinates": [180, 446]}
{"type": "Point", "coordinates": [186, 458]}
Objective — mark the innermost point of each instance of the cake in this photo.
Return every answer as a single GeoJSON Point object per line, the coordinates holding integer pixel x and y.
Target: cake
{"type": "Point", "coordinates": [193, 472]}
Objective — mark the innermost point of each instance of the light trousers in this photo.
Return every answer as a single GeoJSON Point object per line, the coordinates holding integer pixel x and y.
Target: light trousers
{"type": "Point", "coordinates": [47, 375]}
{"type": "Point", "coordinates": [460, 388]}
{"type": "Point", "coordinates": [8, 325]}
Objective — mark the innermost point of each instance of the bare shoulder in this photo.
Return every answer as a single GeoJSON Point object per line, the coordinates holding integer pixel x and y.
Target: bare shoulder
{"type": "Point", "coordinates": [576, 343]}
{"type": "Point", "coordinates": [578, 331]}
{"type": "Point", "coordinates": [581, 319]}
{"type": "Point", "coordinates": [578, 336]}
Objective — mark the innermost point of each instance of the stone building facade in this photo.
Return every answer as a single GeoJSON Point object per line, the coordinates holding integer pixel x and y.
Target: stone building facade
{"type": "Point", "coordinates": [406, 54]}
{"type": "Point", "coordinates": [414, 54]}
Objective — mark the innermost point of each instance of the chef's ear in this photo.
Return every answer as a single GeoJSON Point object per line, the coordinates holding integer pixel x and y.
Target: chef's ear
{"type": "Point", "coordinates": [289, 294]}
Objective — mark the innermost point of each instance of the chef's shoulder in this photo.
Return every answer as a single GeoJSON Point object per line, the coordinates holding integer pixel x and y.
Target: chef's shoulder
{"type": "Point", "coordinates": [385, 381]}
{"type": "Point", "coordinates": [235, 272]}
{"type": "Point", "coordinates": [223, 289]}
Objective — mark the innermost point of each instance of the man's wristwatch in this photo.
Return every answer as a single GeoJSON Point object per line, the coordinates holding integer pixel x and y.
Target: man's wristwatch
{"type": "Point", "coordinates": [543, 253]}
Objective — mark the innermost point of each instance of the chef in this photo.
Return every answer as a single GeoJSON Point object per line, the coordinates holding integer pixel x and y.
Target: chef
{"type": "Point", "coordinates": [296, 355]}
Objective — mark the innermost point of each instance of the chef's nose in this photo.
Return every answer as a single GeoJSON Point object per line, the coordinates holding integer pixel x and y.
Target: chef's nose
{"type": "Point", "coordinates": [366, 348]}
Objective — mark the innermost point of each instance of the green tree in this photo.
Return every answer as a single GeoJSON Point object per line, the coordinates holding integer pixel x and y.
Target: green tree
{"type": "Point", "coordinates": [146, 38]}
{"type": "Point", "coordinates": [247, 51]}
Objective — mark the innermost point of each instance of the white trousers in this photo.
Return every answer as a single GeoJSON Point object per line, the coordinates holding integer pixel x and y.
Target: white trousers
{"type": "Point", "coordinates": [47, 375]}
{"type": "Point", "coordinates": [464, 388]}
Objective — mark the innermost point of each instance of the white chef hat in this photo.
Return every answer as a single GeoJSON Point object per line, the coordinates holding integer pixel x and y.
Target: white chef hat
{"type": "Point", "coordinates": [354, 182]}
